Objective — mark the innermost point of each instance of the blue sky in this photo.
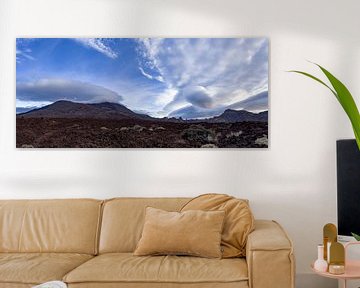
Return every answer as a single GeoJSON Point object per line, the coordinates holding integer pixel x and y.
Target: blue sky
{"type": "Point", "coordinates": [177, 77]}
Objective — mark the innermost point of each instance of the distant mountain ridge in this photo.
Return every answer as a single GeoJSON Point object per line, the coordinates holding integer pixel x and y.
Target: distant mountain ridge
{"type": "Point", "coordinates": [230, 115]}
{"type": "Point", "coordinates": [68, 109]}
{"type": "Point", "coordinates": [107, 110]}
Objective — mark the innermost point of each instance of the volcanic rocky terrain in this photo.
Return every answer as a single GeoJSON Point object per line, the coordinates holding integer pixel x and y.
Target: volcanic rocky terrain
{"type": "Point", "coordinates": [66, 124]}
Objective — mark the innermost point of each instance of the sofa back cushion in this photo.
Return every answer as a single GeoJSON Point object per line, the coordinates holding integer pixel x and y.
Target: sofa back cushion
{"type": "Point", "coordinates": [123, 220]}
{"type": "Point", "coordinates": [64, 226]}
{"type": "Point", "coordinates": [239, 220]}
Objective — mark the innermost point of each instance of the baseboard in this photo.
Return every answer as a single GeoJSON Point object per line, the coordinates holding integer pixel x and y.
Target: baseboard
{"type": "Point", "coordinates": [309, 280]}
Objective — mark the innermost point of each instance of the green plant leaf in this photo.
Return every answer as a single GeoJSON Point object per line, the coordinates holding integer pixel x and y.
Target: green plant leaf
{"type": "Point", "coordinates": [357, 137]}
{"type": "Point", "coordinates": [316, 79]}
{"type": "Point", "coordinates": [347, 102]}
{"type": "Point", "coordinates": [344, 97]}
{"type": "Point", "coordinates": [356, 236]}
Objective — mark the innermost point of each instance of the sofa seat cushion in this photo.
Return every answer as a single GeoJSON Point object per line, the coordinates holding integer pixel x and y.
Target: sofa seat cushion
{"type": "Point", "coordinates": [36, 268]}
{"type": "Point", "coordinates": [125, 267]}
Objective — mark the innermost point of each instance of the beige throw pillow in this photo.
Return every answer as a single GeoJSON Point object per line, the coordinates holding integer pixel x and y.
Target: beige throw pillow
{"type": "Point", "coordinates": [239, 220]}
{"type": "Point", "coordinates": [194, 232]}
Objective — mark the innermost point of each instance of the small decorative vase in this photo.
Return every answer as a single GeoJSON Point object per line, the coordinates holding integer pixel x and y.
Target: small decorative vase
{"type": "Point", "coordinates": [320, 264]}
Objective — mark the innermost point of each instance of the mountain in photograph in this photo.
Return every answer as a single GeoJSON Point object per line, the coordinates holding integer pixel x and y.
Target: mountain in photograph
{"type": "Point", "coordinates": [68, 109]}
{"type": "Point", "coordinates": [115, 111]}
{"type": "Point", "coordinates": [232, 116]}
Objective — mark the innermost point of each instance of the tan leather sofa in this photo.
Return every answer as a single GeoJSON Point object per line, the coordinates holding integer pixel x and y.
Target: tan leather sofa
{"type": "Point", "coordinates": [89, 243]}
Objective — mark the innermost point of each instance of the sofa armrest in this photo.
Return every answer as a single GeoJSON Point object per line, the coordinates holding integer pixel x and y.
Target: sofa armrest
{"type": "Point", "coordinates": [269, 256]}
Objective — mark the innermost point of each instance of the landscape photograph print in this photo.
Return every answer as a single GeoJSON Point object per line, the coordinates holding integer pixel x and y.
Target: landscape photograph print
{"type": "Point", "coordinates": [142, 92]}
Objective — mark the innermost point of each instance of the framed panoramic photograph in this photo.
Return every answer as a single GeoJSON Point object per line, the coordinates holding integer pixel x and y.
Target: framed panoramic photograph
{"type": "Point", "coordinates": [142, 92]}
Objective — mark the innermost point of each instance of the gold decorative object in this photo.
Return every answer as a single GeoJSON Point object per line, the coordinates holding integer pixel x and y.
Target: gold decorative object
{"type": "Point", "coordinates": [337, 253]}
{"type": "Point", "coordinates": [336, 269]}
{"type": "Point", "coordinates": [330, 236]}
{"type": "Point", "coordinates": [337, 258]}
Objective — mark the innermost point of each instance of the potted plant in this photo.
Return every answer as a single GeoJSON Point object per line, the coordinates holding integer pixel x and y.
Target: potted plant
{"type": "Point", "coordinates": [345, 99]}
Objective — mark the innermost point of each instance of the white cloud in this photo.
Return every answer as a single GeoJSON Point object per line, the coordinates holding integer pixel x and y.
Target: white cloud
{"type": "Point", "coordinates": [51, 90]}
{"type": "Point", "coordinates": [99, 44]}
{"type": "Point", "coordinates": [23, 54]}
{"type": "Point", "coordinates": [31, 104]}
{"type": "Point", "coordinates": [198, 96]}
{"type": "Point", "coordinates": [227, 70]}
{"type": "Point", "coordinates": [189, 112]}
{"type": "Point", "coordinates": [258, 102]}
{"type": "Point", "coordinates": [165, 97]}
{"type": "Point", "coordinates": [158, 78]}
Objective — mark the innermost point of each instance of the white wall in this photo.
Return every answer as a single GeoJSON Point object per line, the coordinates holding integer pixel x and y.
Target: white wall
{"type": "Point", "coordinates": [294, 181]}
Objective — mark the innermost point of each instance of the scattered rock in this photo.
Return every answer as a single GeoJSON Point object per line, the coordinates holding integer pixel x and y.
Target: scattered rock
{"type": "Point", "coordinates": [234, 134]}
{"type": "Point", "coordinates": [105, 128]}
{"type": "Point", "coordinates": [27, 146]}
{"type": "Point", "coordinates": [180, 142]}
{"type": "Point", "coordinates": [138, 128]}
{"type": "Point", "coordinates": [262, 140]}
{"type": "Point", "coordinates": [159, 128]}
{"type": "Point", "coordinates": [124, 129]}
{"type": "Point", "coordinates": [209, 146]}
{"type": "Point", "coordinates": [197, 133]}
{"type": "Point", "coordinates": [218, 135]}
{"type": "Point", "coordinates": [211, 138]}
